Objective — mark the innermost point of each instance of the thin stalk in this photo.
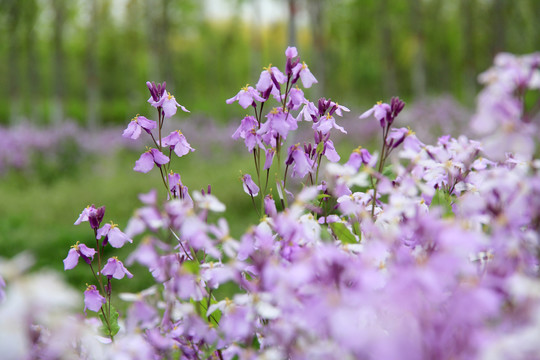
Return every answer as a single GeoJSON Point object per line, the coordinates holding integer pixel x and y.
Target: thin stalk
{"type": "Point", "coordinates": [318, 167]}
{"type": "Point", "coordinates": [379, 170]}
{"type": "Point", "coordinates": [254, 205]}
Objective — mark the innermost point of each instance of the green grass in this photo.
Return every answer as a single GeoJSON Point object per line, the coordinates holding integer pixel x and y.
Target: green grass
{"type": "Point", "coordinates": [38, 216]}
{"type": "Point", "coordinates": [38, 210]}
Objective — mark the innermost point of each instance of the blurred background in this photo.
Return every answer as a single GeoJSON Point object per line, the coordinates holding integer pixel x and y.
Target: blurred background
{"type": "Point", "coordinates": [73, 74]}
{"type": "Point", "coordinates": [88, 60]}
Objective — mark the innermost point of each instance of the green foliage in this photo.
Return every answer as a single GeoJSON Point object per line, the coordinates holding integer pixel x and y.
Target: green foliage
{"type": "Point", "coordinates": [443, 200]}
{"type": "Point", "coordinates": [109, 325]}
{"type": "Point", "coordinates": [370, 49]}
{"type": "Point", "coordinates": [342, 233]}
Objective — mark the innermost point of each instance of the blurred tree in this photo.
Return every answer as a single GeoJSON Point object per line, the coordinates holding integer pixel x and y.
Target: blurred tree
{"type": "Point", "coordinates": [32, 80]}
{"type": "Point", "coordinates": [418, 78]}
{"type": "Point", "coordinates": [13, 14]}
{"type": "Point", "coordinates": [316, 10]}
{"type": "Point", "coordinates": [292, 4]}
{"type": "Point", "coordinates": [468, 25]}
{"type": "Point", "coordinates": [92, 75]}
{"type": "Point", "coordinates": [385, 45]}
{"type": "Point", "coordinates": [60, 18]}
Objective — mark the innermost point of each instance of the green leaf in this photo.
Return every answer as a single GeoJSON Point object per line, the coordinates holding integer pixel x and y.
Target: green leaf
{"type": "Point", "coordinates": [323, 196]}
{"type": "Point", "coordinates": [388, 171]}
{"type": "Point", "coordinates": [255, 344]}
{"type": "Point", "coordinates": [443, 200]}
{"type": "Point", "coordinates": [202, 308]}
{"type": "Point", "coordinates": [192, 266]}
{"type": "Point", "coordinates": [320, 147]}
{"type": "Point", "coordinates": [342, 233]}
{"type": "Point", "coordinates": [113, 323]}
{"type": "Point", "coordinates": [357, 231]}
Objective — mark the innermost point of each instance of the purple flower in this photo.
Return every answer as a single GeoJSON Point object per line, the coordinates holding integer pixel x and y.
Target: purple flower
{"type": "Point", "coordinates": [155, 91]}
{"type": "Point", "coordinates": [330, 151]}
{"type": "Point", "coordinates": [249, 186]}
{"type": "Point", "coordinates": [326, 123]}
{"type": "Point", "coordinates": [246, 96]}
{"type": "Point", "coordinates": [296, 98]}
{"type": "Point", "coordinates": [406, 136]}
{"type": "Point", "coordinates": [113, 235]}
{"type": "Point", "coordinates": [291, 52]}
{"type": "Point", "coordinates": [76, 251]}
{"type": "Point", "coordinates": [278, 123]}
{"type": "Point", "coordinates": [270, 153]}
{"type": "Point", "coordinates": [270, 76]}
{"type": "Point", "coordinates": [92, 215]}
{"type": "Point", "coordinates": [358, 157]}
{"type": "Point", "coordinates": [115, 269]}
{"type": "Point", "coordinates": [380, 111]}
{"type": "Point", "coordinates": [270, 206]}
{"type": "Point", "coordinates": [302, 163]}
{"type": "Point", "coordinates": [177, 141]}
{"type": "Point", "coordinates": [134, 129]}
{"type": "Point", "coordinates": [305, 75]}
{"type": "Point", "coordinates": [93, 299]}
{"type": "Point", "coordinates": [148, 159]}
{"type": "Point", "coordinates": [169, 104]}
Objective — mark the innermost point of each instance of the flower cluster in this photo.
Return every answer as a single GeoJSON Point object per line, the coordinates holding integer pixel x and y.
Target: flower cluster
{"type": "Point", "coordinates": [431, 253]}
{"type": "Point", "coordinates": [268, 137]}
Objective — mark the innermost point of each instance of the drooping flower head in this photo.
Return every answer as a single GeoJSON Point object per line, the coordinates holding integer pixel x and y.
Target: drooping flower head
{"type": "Point", "coordinates": [303, 164]}
{"type": "Point", "coordinates": [380, 111]}
{"type": "Point", "coordinates": [246, 97]}
{"type": "Point", "coordinates": [93, 299]}
{"type": "Point", "coordinates": [169, 104]}
{"type": "Point", "coordinates": [249, 186]}
{"type": "Point", "coordinates": [112, 235]}
{"type": "Point", "coordinates": [115, 269]}
{"type": "Point", "coordinates": [148, 159]}
{"type": "Point", "coordinates": [358, 157]}
{"type": "Point", "coordinates": [302, 71]}
{"type": "Point", "coordinates": [270, 77]}
{"type": "Point", "coordinates": [178, 143]}
{"type": "Point", "coordinates": [76, 251]}
{"type": "Point", "coordinates": [137, 124]}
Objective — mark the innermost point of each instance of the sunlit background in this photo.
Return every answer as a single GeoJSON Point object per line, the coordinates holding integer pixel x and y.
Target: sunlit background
{"type": "Point", "coordinates": [73, 74]}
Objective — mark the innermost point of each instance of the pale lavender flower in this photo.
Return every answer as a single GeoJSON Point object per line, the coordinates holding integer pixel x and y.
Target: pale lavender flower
{"type": "Point", "coordinates": [115, 269]}
{"type": "Point", "coordinates": [246, 96]}
{"type": "Point", "coordinates": [169, 104]}
{"type": "Point", "coordinates": [76, 251]}
{"type": "Point", "coordinates": [330, 151]}
{"type": "Point", "coordinates": [302, 163]}
{"type": "Point", "coordinates": [358, 157]}
{"type": "Point", "coordinates": [93, 299]}
{"type": "Point", "coordinates": [248, 131]}
{"type": "Point", "coordinates": [113, 235]}
{"type": "Point", "coordinates": [137, 124]}
{"type": "Point", "coordinates": [178, 143]}
{"type": "Point", "coordinates": [249, 186]}
{"type": "Point", "coordinates": [148, 159]}
{"type": "Point", "coordinates": [326, 123]}
{"type": "Point", "coordinates": [270, 76]}
{"type": "Point", "coordinates": [279, 123]}
{"type": "Point", "coordinates": [302, 71]}
{"type": "Point", "coordinates": [380, 111]}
